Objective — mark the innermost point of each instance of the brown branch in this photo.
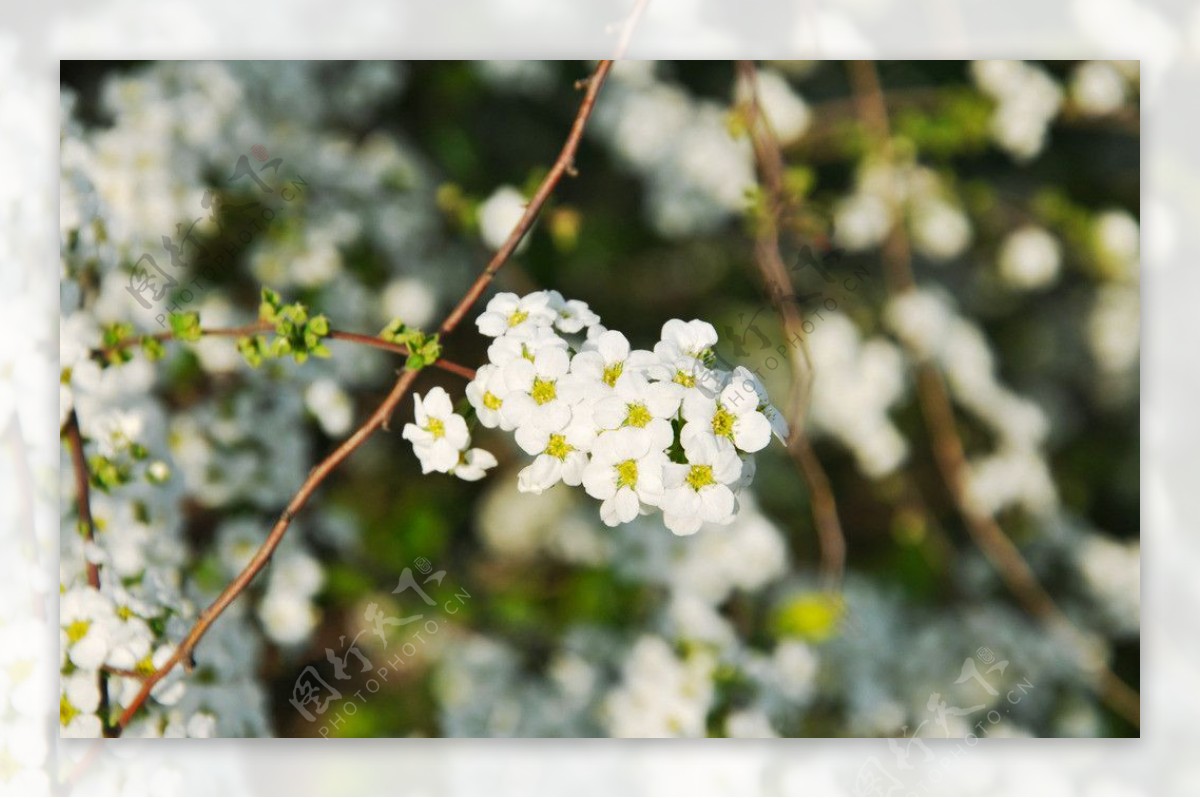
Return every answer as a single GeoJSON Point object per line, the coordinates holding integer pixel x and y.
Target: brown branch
{"type": "Point", "coordinates": [948, 451]}
{"type": "Point", "coordinates": [378, 419]}
{"type": "Point", "coordinates": [264, 327]}
{"type": "Point", "coordinates": [769, 161]}
{"type": "Point", "coordinates": [564, 164]}
{"type": "Point", "coordinates": [83, 503]}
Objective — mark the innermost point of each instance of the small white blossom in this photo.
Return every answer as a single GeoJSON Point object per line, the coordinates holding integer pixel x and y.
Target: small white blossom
{"type": "Point", "coordinates": [473, 464]}
{"type": "Point", "coordinates": [507, 312]}
{"type": "Point", "coordinates": [698, 491]}
{"type": "Point", "coordinates": [625, 473]}
{"type": "Point", "coordinates": [439, 433]}
{"type": "Point", "coordinates": [608, 359]}
{"type": "Point", "coordinates": [561, 452]}
{"type": "Point", "coordinates": [541, 391]}
{"type": "Point", "coordinates": [572, 315]}
{"type": "Point", "coordinates": [640, 404]}
{"type": "Point", "coordinates": [486, 394]}
{"type": "Point", "coordinates": [731, 419]}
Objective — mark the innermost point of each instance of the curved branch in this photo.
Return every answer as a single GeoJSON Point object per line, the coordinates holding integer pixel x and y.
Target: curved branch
{"type": "Point", "coordinates": [380, 418]}
{"type": "Point", "coordinates": [263, 327]}
{"type": "Point", "coordinates": [948, 451]}
{"type": "Point", "coordinates": [83, 502]}
{"type": "Point", "coordinates": [769, 162]}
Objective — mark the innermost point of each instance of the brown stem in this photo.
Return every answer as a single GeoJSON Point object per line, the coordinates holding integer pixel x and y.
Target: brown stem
{"type": "Point", "coordinates": [769, 161]}
{"type": "Point", "coordinates": [83, 503]}
{"type": "Point", "coordinates": [378, 419]}
{"type": "Point", "coordinates": [338, 335]}
{"type": "Point", "coordinates": [565, 163]}
{"type": "Point", "coordinates": [948, 451]}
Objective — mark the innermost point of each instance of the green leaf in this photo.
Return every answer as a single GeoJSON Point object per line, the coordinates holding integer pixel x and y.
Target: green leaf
{"type": "Point", "coordinates": [153, 348]}
{"type": "Point", "coordinates": [185, 326]}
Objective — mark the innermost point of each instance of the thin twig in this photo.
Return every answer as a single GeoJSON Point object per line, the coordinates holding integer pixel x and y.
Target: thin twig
{"type": "Point", "coordinates": [264, 327]}
{"type": "Point", "coordinates": [378, 419]}
{"type": "Point", "coordinates": [769, 160]}
{"type": "Point", "coordinates": [948, 451]}
{"type": "Point", "coordinates": [83, 503]}
{"type": "Point", "coordinates": [562, 165]}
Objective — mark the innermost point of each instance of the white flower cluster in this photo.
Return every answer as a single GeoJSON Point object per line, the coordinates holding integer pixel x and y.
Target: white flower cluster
{"type": "Point", "coordinates": [640, 430]}
{"type": "Point", "coordinates": [441, 439]}
{"type": "Point", "coordinates": [1027, 100]}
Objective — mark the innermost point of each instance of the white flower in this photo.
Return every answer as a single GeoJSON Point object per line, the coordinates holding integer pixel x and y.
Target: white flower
{"type": "Point", "coordinates": [486, 394]}
{"type": "Point", "coordinates": [698, 491]}
{"type": "Point", "coordinates": [331, 405]}
{"type": "Point", "coordinates": [499, 214]}
{"type": "Point", "coordinates": [561, 451]}
{"type": "Point", "coordinates": [731, 419]}
{"type": "Point", "coordinates": [86, 617]}
{"type": "Point", "coordinates": [625, 473]}
{"type": "Point", "coordinates": [439, 434]}
{"type": "Point", "coordinates": [1029, 258]}
{"type": "Point", "coordinates": [1097, 88]}
{"type": "Point", "coordinates": [692, 338]}
{"type": "Point", "coordinates": [541, 391]}
{"type": "Point", "coordinates": [473, 464]}
{"type": "Point", "coordinates": [639, 404]}
{"type": "Point", "coordinates": [78, 704]}
{"type": "Point", "coordinates": [523, 342]}
{"type": "Point", "coordinates": [747, 380]}
{"type": "Point", "coordinates": [287, 618]}
{"type": "Point", "coordinates": [573, 315]}
{"type": "Point", "coordinates": [507, 312]}
{"type": "Point", "coordinates": [608, 359]}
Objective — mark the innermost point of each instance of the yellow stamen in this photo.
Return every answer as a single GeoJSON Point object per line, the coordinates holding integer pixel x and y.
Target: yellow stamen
{"type": "Point", "coordinates": [558, 447]}
{"type": "Point", "coordinates": [543, 391]}
{"type": "Point", "coordinates": [491, 401]}
{"type": "Point", "coordinates": [638, 416]}
{"type": "Point", "coordinates": [77, 629]}
{"type": "Point", "coordinates": [627, 474]}
{"type": "Point", "coordinates": [722, 423]}
{"type": "Point", "coordinates": [436, 428]}
{"type": "Point", "coordinates": [613, 373]}
{"type": "Point", "coordinates": [700, 476]}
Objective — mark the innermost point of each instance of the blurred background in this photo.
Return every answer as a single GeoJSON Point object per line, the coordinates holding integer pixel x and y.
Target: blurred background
{"type": "Point", "coordinates": [1016, 185]}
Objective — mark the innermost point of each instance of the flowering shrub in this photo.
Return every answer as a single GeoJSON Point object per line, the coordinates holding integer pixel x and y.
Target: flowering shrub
{"type": "Point", "coordinates": [640, 430]}
{"type": "Point", "coordinates": [639, 558]}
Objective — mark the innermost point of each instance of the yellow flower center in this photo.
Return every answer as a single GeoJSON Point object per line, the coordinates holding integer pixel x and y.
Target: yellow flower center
{"type": "Point", "coordinates": [722, 423]}
{"type": "Point", "coordinates": [627, 474]}
{"type": "Point", "coordinates": [685, 379]}
{"type": "Point", "coordinates": [516, 317]}
{"type": "Point", "coordinates": [124, 613]}
{"type": "Point", "coordinates": [638, 416]}
{"type": "Point", "coordinates": [558, 447]}
{"type": "Point", "coordinates": [436, 428]}
{"type": "Point", "coordinates": [613, 373]}
{"type": "Point", "coordinates": [145, 666]}
{"type": "Point", "coordinates": [77, 629]}
{"type": "Point", "coordinates": [491, 401]}
{"type": "Point", "coordinates": [700, 476]}
{"type": "Point", "coordinates": [66, 712]}
{"type": "Point", "coordinates": [543, 391]}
